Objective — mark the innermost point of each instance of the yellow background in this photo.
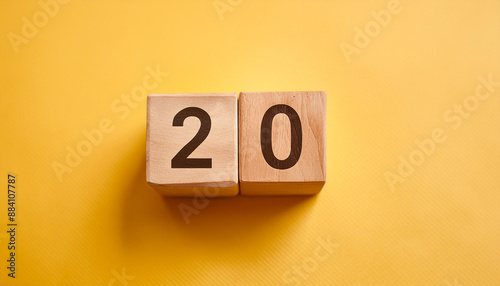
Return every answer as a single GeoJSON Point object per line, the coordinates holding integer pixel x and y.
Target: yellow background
{"type": "Point", "coordinates": [438, 227]}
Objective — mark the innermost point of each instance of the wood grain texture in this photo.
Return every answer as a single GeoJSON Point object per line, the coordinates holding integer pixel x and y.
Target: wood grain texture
{"type": "Point", "coordinates": [308, 174]}
{"type": "Point", "coordinates": [164, 141]}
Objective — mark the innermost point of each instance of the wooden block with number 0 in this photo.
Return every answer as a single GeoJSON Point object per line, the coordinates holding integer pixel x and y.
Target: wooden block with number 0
{"type": "Point", "coordinates": [282, 142]}
{"type": "Point", "coordinates": [191, 145]}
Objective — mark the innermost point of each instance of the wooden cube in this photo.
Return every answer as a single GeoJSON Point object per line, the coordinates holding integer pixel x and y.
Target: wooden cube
{"type": "Point", "coordinates": [191, 147]}
{"type": "Point", "coordinates": [282, 142]}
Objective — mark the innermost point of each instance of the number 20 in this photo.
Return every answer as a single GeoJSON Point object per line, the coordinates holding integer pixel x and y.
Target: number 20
{"type": "Point", "coordinates": [181, 160]}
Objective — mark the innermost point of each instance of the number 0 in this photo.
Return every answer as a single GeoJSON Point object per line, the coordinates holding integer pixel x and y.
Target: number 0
{"type": "Point", "coordinates": [296, 137]}
{"type": "Point", "coordinates": [181, 160]}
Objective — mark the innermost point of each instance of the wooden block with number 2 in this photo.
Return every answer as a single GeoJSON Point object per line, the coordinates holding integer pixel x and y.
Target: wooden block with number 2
{"type": "Point", "coordinates": [191, 147]}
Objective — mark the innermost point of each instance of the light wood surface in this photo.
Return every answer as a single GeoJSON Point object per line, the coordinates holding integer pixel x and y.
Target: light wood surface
{"type": "Point", "coordinates": [165, 141]}
{"type": "Point", "coordinates": [305, 176]}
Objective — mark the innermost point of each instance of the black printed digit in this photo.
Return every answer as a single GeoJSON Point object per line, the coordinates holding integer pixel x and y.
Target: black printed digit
{"type": "Point", "coordinates": [296, 137]}
{"type": "Point", "coordinates": [181, 160]}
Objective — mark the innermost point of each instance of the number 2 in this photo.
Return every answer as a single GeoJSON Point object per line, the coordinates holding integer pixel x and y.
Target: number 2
{"type": "Point", "coordinates": [181, 160]}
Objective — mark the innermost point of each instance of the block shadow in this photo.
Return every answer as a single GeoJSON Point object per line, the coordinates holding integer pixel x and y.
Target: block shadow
{"type": "Point", "coordinates": [219, 223]}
